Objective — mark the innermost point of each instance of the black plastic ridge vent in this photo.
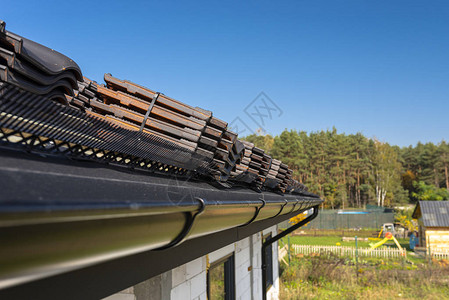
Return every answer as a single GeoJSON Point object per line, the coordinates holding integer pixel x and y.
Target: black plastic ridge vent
{"type": "Point", "coordinates": [36, 124]}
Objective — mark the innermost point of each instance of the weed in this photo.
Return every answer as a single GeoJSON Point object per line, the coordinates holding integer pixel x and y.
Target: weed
{"type": "Point", "coordinates": [331, 277]}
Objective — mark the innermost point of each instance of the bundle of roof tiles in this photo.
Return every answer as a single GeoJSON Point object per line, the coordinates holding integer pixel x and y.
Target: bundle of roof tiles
{"type": "Point", "coordinates": [138, 108]}
{"type": "Point", "coordinates": [45, 72]}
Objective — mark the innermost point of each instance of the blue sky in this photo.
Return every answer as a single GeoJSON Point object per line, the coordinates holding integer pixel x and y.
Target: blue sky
{"type": "Point", "coordinates": [376, 67]}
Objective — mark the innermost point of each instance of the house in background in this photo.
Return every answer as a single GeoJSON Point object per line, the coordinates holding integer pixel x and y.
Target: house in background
{"type": "Point", "coordinates": [433, 222]}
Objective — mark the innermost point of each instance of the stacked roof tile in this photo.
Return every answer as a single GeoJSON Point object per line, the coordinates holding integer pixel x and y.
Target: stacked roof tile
{"type": "Point", "coordinates": [45, 72]}
{"type": "Point", "coordinates": [138, 108]}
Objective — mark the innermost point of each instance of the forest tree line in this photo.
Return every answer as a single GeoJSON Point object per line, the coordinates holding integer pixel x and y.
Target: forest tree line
{"type": "Point", "coordinates": [353, 170]}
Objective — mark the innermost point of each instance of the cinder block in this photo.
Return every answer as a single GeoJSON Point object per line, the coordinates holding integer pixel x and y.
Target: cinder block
{"type": "Point", "coordinates": [257, 260]}
{"type": "Point", "coordinates": [181, 292]}
{"type": "Point", "coordinates": [155, 288]}
{"type": "Point", "coordinates": [222, 252]}
{"type": "Point", "coordinates": [242, 244]}
{"type": "Point", "coordinates": [195, 267]}
{"type": "Point", "coordinates": [275, 263]}
{"type": "Point", "coordinates": [242, 256]}
{"type": "Point", "coordinates": [243, 285]}
{"type": "Point", "coordinates": [257, 237]}
{"type": "Point", "coordinates": [198, 285]}
{"type": "Point", "coordinates": [257, 294]}
{"type": "Point", "coordinates": [129, 290]}
{"type": "Point", "coordinates": [179, 275]}
{"type": "Point", "coordinates": [241, 270]}
{"type": "Point", "coordinates": [246, 295]}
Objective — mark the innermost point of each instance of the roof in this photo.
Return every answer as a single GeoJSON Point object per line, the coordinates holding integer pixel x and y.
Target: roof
{"type": "Point", "coordinates": [147, 129]}
{"type": "Point", "coordinates": [434, 213]}
{"type": "Point", "coordinates": [105, 204]}
{"type": "Point", "coordinates": [121, 170]}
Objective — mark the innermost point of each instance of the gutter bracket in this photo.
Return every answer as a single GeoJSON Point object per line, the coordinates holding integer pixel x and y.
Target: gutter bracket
{"type": "Point", "coordinates": [294, 205]}
{"type": "Point", "coordinates": [277, 237]}
{"type": "Point", "coordinates": [282, 208]}
{"type": "Point", "coordinates": [256, 214]}
{"type": "Point", "coordinates": [190, 219]}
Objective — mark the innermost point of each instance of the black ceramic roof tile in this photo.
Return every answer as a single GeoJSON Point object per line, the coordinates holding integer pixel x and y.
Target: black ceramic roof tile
{"type": "Point", "coordinates": [8, 76]}
{"type": "Point", "coordinates": [18, 65]}
{"type": "Point", "coordinates": [43, 58]}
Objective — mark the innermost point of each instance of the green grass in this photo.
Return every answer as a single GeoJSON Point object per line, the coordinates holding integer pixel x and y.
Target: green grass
{"type": "Point", "coordinates": [330, 277]}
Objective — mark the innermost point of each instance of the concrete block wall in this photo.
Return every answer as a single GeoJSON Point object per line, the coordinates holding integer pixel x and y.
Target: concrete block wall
{"type": "Point", "coordinates": [273, 292]}
{"type": "Point", "coordinates": [243, 268]}
{"type": "Point", "coordinates": [188, 281]}
{"type": "Point", "coordinates": [257, 266]}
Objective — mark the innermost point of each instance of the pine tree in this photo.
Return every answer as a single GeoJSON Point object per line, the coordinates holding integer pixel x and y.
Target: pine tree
{"type": "Point", "coordinates": [352, 170]}
{"type": "Point", "coordinates": [443, 161]}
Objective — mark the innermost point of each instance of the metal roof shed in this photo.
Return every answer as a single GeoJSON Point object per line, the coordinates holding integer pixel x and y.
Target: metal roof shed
{"type": "Point", "coordinates": [433, 221]}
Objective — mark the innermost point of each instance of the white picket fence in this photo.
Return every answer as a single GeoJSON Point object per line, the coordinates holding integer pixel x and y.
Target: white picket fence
{"type": "Point", "coordinates": [348, 251]}
{"type": "Point", "coordinates": [440, 255]}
